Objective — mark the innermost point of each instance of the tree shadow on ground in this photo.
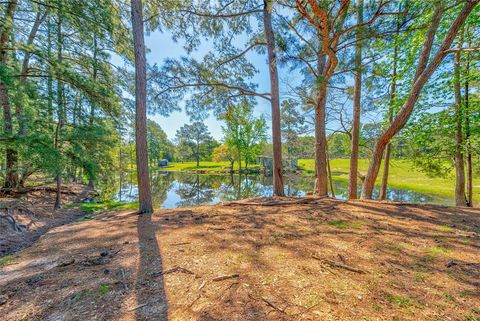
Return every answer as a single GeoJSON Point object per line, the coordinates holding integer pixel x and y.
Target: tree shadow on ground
{"type": "Point", "coordinates": [150, 286]}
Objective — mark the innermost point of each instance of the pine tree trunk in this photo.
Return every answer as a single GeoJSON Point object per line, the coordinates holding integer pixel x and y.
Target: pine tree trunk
{"type": "Point", "coordinates": [60, 111]}
{"type": "Point", "coordinates": [357, 94]}
{"type": "Point", "coordinates": [460, 199]}
{"type": "Point", "coordinates": [467, 138]}
{"type": "Point", "coordinates": [58, 195]}
{"type": "Point", "coordinates": [321, 176]}
{"type": "Point", "coordinates": [198, 153]}
{"type": "Point", "coordinates": [144, 194]}
{"type": "Point", "coordinates": [239, 160]}
{"type": "Point", "coordinates": [91, 179]}
{"type": "Point", "coordinates": [11, 178]}
{"type": "Point", "coordinates": [278, 189]}
{"type": "Point", "coordinates": [49, 79]}
{"type": "Point", "coordinates": [330, 178]}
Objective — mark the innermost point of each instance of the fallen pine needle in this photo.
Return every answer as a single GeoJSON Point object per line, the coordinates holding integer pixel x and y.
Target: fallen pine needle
{"type": "Point", "coordinates": [137, 307]}
{"type": "Point", "coordinates": [202, 285]}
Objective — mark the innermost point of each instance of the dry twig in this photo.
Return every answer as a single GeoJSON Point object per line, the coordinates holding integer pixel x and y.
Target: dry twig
{"type": "Point", "coordinates": [225, 277]}
{"type": "Point", "coordinates": [339, 265]}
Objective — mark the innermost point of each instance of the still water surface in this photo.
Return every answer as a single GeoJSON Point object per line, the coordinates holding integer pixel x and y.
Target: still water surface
{"type": "Point", "coordinates": [178, 189]}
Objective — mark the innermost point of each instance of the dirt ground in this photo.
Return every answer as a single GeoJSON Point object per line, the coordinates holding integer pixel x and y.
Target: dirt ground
{"type": "Point", "coordinates": [34, 210]}
{"type": "Point", "coordinates": [328, 260]}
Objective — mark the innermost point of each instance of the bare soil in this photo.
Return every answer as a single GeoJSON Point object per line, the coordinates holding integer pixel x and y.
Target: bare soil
{"type": "Point", "coordinates": [32, 209]}
{"type": "Point", "coordinates": [326, 260]}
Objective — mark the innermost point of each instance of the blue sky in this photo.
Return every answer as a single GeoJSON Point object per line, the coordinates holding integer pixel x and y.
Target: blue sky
{"type": "Point", "coordinates": [161, 46]}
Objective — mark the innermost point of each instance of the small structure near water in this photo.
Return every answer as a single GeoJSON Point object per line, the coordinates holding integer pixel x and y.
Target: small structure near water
{"type": "Point", "coordinates": [163, 163]}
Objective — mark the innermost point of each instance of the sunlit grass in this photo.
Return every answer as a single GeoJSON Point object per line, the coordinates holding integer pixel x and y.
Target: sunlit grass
{"type": "Point", "coordinates": [205, 166]}
{"type": "Point", "coordinates": [106, 206]}
{"type": "Point", "coordinates": [403, 175]}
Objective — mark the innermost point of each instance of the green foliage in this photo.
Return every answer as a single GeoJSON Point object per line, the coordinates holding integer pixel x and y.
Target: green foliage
{"type": "Point", "coordinates": [194, 142]}
{"type": "Point", "coordinates": [245, 135]}
{"type": "Point", "coordinates": [223, 153]}
{"type": "Point", "coordinates": [159, 147]}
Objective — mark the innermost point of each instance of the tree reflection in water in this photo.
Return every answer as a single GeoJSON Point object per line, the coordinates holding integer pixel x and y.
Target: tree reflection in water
{"type": "Point", "coordinates": [176, 189]}
{"type": "Point", "coordinates": [194, 189]}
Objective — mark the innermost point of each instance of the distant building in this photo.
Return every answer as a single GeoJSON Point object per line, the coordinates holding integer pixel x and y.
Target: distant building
{"type": "Point", "coordinates": [163, 163]}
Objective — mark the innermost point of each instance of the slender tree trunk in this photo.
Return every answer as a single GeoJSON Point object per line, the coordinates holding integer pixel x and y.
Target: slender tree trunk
{"type": "Point", "coordinates": [58, 195]}
{"type": "Point", "coordinates": [58, 176]}
{"type": "Point", "coordinates": [357, 94]}
{"type": "Point", "coordinates": [460, 199]}
{"type": "Point", "coordinates": [60, 111]}
{"type": "Point", "coordinates": [91, 178]}
{"type": "Point", "coordinates": [393, 89]}
{"type": "Point", "coordinates": [423, 73]}
{"type": "Point", "coordinates": [49, 79]}
{"type": "Point", "coordinates": [330, 178]}
{"type": "Point", "coordinates": [467, 138]}
{"type": "Point", "coordinates": [278, 189]}
{"type": "Point", "coordinates": [198, 153]}
{"type": "Point", "coordinates": [11, 178]}
{"type": "Point", "coordinates": [321, 176]}
{"type": "Point", "coordinates": [144, 194]}
{"type": "Point", "coordinates": [239, 160]}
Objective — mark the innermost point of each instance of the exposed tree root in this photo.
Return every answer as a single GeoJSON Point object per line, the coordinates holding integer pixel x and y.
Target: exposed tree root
{"type": "Point", "coordinates": [13, 223]}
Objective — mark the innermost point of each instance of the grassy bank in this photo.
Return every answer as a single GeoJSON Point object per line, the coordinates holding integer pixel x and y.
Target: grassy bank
{"type": "Point", "coordinates": [214, 167]}
{"type": "Point", "coordinates": [402, 176]}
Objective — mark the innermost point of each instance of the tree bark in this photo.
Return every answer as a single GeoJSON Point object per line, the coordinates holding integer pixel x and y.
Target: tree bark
{"type": "Point", "coordinates": [423, 73]}
{"type": "Point", "coordinates": [467, 138]}
{"type": "Point", "coordinates": [49, 80]}
{"type": "Point", "coordinates": [60, 111]}
{"type": "Point", "coordinates": [11, 177]}
{"type": "Point", "coordinates": [330, 178]}
{"type": "Point", "coordinates": [278, 188]}
{"type": "Point", "coordinates": [198, 153]}
{"type": "Point", "coordinates": [357, 94]}
{"type": "Point", "coordinates": [91, 178]}
{"type": "Point", "coordinates": [321, 176]}
{"type": "Point", "coordinates": [144, 194]}
{"type": "Point", "coordinates": [460, 199]}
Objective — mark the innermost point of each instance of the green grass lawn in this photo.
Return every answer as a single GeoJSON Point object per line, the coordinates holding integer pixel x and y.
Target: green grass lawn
{"type": "Point", "coordinates": [403, 175]}
{"type": "Point", "coordinates": [205, 166]}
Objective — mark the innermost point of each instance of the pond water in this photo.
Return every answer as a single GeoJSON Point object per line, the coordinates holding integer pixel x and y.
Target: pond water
{"type": "Point", "coordinates": [177, 189]}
